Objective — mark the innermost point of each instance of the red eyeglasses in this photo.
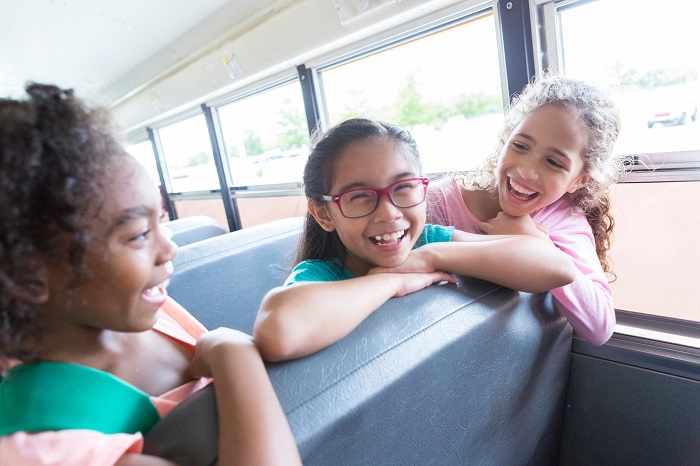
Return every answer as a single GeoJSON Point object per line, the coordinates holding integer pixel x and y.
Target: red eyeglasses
{"type": "Point", "coordinates": [360, 202]}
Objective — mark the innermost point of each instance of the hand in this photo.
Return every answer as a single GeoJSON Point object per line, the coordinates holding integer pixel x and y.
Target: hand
{"type": "Point", "coordinates": [411, 282]}
{"type": "Point", "coordinates": [418, 261]}
{"type": "Point", "coordinates": [505, 224]}
{"type": "Point", "coordinates": [214, 345]}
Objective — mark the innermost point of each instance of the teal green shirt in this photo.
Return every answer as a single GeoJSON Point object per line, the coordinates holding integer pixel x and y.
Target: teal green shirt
{"type": "Point", "coordinates": [331, 270]}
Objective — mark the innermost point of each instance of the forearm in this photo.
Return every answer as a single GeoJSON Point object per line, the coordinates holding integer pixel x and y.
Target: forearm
{"type": "Point", "coordinates": [522, 262]}
{"type": "Point", "coordinates": [253, 428]}
{"type": "Point", "coordinates": [300, 319]}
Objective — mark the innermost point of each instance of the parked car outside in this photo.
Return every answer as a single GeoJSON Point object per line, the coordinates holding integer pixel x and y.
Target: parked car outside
{"type": "Point", "coordinates": [673, 113]}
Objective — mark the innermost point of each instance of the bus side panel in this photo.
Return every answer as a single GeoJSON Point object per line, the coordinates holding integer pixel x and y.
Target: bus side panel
{"type": "Point", "coordinates": [621, 414]}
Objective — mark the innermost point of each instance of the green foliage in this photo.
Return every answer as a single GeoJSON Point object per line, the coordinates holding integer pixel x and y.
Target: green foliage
{"type": "Point", "coordinates": [233, 152]}
{"type": "Point", "coordinates": [200, 159]}
{"type": "Point", "coordinates": [411, 111]}
{"type": "Point", "coordinates": [649, 79]}
{"type": "Point", "coordinates": [253, 144]}
{"type": "Point", "coordinates": [296, 133]}
{"type": "Point", "coordinates": [478, 104]}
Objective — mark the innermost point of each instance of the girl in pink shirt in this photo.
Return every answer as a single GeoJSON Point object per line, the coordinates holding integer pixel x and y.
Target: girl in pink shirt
{"type": "Point", "coordinates": [93, 350]}
{"type": "Point", "coordinates": [551, 177]}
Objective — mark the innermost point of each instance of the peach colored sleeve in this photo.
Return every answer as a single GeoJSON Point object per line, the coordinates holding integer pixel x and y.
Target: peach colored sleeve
{"type": "Point", "coordinates": [75, 447]}
{"type": "Point", "coordinates": [179, 324]}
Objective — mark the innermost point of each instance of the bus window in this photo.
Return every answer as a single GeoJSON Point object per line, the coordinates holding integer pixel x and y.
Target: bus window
{"type": "Point", "coordinates": [654, 78]}
{"type": "Point", "coordinates": [143, 152]}
{"type": "Point", "coordinates": [266, 140]}
{"type": "Point", "coordinates": [654, 253]}
{"type": "Point", "coordinates": [650, 70]}
{"type": "Point", "coordinates": [266, 136]}
{"type": "Point", "coordinates": [187, 153]}
{"type": "Point", "coordinates": [210, 207]}
{"type": "Point", "coordinates": [443, 87]}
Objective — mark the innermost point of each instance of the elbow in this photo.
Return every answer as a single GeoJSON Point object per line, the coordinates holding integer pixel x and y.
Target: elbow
{"type": "Point", "coordinates": [272, 334]}
{"type": "Point", "coordinates": [601, 335]}
{"type": "Point", "coordinates": [272, 341]}
{"type": "Point", "coordinates": [563, 271]}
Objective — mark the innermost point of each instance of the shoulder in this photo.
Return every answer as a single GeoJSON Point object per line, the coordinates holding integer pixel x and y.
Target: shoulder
{"type": "Point", "coordinates": [561, 214]}
{"type": "Point", "coordinates": [443, 189]}
{"type": "Point", "coordinates": [434, 234]}
{"type": "Point", "coordinates": [318, 271]}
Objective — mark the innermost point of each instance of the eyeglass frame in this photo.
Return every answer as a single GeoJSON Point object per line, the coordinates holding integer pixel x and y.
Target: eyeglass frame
{"type": "Point", "coordinates": [379, 192]}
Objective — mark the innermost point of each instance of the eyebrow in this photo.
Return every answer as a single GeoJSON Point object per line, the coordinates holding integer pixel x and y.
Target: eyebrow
{"type": "Point", "coordinates": [553, 149]}
{"type": "Point", "coordinates": [132, 213]}
{"type": "Point", "coordinates": [362, 184]}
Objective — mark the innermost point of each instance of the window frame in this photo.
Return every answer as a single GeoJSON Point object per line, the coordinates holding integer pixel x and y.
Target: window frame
{"type": "Point", "coordinates": [669, 334]}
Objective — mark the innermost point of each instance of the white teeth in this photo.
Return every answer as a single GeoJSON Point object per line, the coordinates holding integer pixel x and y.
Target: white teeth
{"type": "Point", "coordinates": [157, 289]}
{"type": "Point", "coordinates": [520, 188]}
{"type": "Point", "coordinates": [390, 237]}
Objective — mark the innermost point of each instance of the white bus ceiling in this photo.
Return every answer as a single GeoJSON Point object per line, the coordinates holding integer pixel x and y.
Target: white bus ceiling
{"type": "Point", "coordinates": [149, 60]}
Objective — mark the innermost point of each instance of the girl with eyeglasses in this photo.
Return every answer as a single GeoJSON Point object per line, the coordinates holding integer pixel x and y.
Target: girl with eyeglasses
{"type": "Point", "coordinates": [366, 216]}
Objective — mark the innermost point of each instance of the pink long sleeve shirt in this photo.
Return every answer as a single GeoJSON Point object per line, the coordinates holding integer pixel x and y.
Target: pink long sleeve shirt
{"type": "Point", "coordinates": [587, 302]}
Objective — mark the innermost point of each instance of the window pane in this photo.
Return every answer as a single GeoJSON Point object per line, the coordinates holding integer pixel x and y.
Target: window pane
{"type": "Point", "coordinates": [445, 88]}
{"type": "Point", "coordinates": [212, 207]}
{"type": "Point", "coordinates": [266, 136]}
{"type": "Point", "coordinates": [143, 153]}
{"type": "Point", "coordinates": [646, 52]}
{"type": "Point", "coordinates": [257, 210]}
{"type": "Point", "coordinates": [655, 252]}
{"type": "Point", "coordinates": [187, 152]}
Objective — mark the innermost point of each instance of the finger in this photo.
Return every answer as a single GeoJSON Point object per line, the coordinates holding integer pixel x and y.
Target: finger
{"type": "Point", "coordinates": [443, 277]}
{"type": "Point", "coordinates": [485, 227]}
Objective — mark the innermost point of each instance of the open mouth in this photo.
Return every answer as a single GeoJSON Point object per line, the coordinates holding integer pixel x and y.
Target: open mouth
{"type": "Point", "coordinates": [521, 192]}
{"type": "Point", "coordinates": [388, 238]}
{"type": "Point", "coordinates": [157, 290]}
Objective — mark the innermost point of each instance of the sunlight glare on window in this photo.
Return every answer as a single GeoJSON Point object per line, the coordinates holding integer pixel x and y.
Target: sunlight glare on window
{"type": "Point", "coordinates": [266, 136]}
{"type": "Point", "coordinates": [187, 152]}
{"type": "Point", "coordinates": [652, 70]}
{"type": "Point", "coordinates": [445, 88]}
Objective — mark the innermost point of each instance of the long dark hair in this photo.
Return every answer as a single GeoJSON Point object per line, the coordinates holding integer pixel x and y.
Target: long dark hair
{"type": "Point", "coordinates": [317, 243]}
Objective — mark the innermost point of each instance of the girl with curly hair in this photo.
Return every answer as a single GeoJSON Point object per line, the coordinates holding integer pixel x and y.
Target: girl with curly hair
{"type": "Point", "coordinates": [550, 176]}
{"type": "Point", "coordinates": [93, 350]}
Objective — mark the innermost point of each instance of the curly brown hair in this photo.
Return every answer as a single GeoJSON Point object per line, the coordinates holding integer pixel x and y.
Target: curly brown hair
{"type": "Point", "coordinates": [601, 117]}
{"type": "Point", "coordinates": [53, 153]}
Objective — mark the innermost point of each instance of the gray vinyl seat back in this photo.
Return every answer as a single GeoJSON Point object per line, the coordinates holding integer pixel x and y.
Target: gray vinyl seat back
{"type": "Point", "coordinates": [190, 230]}
{"type": "Point", "coordinates": [472, 373]}
{"type": "Point", "coordinates": [223, 279]}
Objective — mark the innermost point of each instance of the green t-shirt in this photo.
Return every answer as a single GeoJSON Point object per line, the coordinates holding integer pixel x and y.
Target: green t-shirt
{"type": "Point", "coordinates": [331, 270]}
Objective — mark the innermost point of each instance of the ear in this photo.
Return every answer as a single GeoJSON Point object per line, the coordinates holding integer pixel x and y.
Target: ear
{"type": "Point", "coordinates": [35, 292]}
{"type": "Point", "coordinates": [579, 183]}
{"type": "Point", "coordinates": [319, 212]}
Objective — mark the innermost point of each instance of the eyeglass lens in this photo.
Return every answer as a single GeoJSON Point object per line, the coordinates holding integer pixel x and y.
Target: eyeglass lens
{"type": "Point", "coordinates": [363, 202]}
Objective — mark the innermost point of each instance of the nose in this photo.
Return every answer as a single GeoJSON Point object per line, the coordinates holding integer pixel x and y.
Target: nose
{"type": "Point", "coordinates": [527, 168]}
{"type": "Point", "coordinates": [168, 248]}
{"type": "Point", "coordinates": [386, 211]}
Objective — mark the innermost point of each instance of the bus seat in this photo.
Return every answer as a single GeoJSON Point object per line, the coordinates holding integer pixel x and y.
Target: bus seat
{"type": "Point", "coordinates": [222, 280]}
{"type": "Point", "coordinates": [189, 230]}
{"type": "Point", "coordinates": [472, 373]}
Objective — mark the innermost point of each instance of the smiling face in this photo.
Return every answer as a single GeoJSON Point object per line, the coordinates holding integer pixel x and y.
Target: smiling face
{"type": "Point", "coordinates": [542, 160]}
{"type": "Point", "coordinates": [129, 260]}
{"type": "Point", "coordinates": [384, 237]}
